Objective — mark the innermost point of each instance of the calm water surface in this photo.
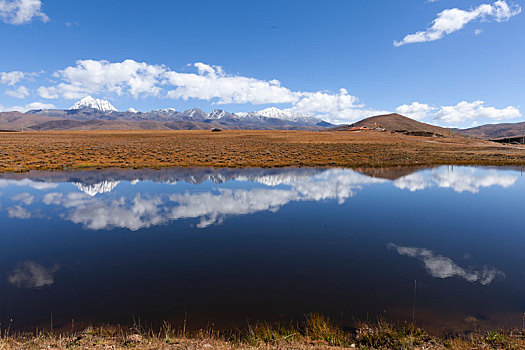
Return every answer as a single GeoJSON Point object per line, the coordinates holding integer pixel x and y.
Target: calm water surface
{"type": "Point", "coordinates": [233, 246]}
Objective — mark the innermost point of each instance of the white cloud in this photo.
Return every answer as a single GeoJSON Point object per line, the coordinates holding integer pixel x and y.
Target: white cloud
{"type": "Point", "coordinates": [27, 107]}
{"type": "Point", "coordinates": [212, 82]}
{"type": "Point", "coordinates": [452, 20]}
{"type": "Point", "coordinates": [20, 92]}
{"type": "Point", "coordinates": [90, 77]}
{"type": "Point", "coordinates": [11, 78]}
{"type": "Point", "coordinates": [29, 274]}
{"type": "Point", "coordinates": [462, 114]}
{"type": "Point", "coordinates": [443, 267]}
{"type": "Point", "coordinates": [416, 110]}
{"type": "Point", "coordinates": [468, 111]}
{"type": "Point", "coordinates": [21, 11]}
{"type": "Point", "coordinates": [336, 108]}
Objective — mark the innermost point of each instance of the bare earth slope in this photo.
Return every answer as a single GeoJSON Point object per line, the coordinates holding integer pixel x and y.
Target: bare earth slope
{"type": "Point", "coordinates": [98, 124]}
{"type": "Point", "coordinates": [16, 121]}
{"type": "Point", "coordinates": [243, 148]}
{"type": "Point", "coordinates": [396, 122]}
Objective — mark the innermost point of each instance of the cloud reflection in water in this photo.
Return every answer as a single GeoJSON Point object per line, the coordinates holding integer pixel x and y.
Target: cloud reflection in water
{"type": "Point", "coordinates": [98, 206]}
{"type": "Point", "coordinates": [29, 274]}
{"type": "Point", "coordinates": [440, 266]}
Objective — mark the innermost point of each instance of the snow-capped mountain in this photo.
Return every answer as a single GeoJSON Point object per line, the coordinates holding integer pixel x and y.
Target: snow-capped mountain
{"type": "Point", "coordinates": [132, 110]}
{"type": "Point", "coordinates": [90, 102]}
{"type": "Point", "coordinates": [194, 114]}
{"type": "Point", "coordinates": [221, 114]}
{"type": "Point", "coordinates": [282, 114]}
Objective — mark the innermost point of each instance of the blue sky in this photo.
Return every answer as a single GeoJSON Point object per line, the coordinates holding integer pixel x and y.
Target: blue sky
{"type": "Point", "coordinates": [464, 69]}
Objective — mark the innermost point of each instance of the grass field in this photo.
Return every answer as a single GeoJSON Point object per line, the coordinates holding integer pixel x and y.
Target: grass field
{"type": "Point", "coordinates": [153, 149]}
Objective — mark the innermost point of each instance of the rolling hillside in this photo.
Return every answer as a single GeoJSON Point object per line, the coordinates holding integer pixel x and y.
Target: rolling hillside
{"type": "Point", "coordinates": [397, 123]}
{"type": "Point", "coordinates": [496, 131]}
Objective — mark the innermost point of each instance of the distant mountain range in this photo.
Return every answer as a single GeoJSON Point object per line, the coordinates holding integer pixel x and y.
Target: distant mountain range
{"type": "Point", "coordinates": [95, 114]}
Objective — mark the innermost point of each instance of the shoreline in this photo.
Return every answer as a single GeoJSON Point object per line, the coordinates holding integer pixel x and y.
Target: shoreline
{"type": "Point", "coordinates": [76, 150]}
{"type": "Point", "coordinates": [313, 332]}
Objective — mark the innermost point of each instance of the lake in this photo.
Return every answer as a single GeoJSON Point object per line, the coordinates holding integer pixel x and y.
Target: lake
{"type": "Point", "coordinates": [228, 247]}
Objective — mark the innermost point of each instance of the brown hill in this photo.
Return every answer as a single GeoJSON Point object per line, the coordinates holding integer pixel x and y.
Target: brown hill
{"type": "Point", "coordinates": [496, 131]}
{"type": "Point", "coordinates": [397, 123]}
{"type": "Point", "coordinates": [15, 121]}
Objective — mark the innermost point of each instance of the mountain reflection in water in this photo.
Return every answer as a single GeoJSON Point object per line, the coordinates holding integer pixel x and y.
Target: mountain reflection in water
{"type": "Point", "coordinates": [135, 210]}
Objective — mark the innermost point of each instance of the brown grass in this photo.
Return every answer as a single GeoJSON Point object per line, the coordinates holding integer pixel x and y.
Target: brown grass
{"type": "Point", "coordinates": [153, 149]}
{"type": "Point", "coordinates": [315, 332]}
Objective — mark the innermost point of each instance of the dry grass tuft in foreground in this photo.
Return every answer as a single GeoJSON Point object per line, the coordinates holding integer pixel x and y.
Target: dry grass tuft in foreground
{"type": "Point", "coordinates": [242, 148]}
{"type": "Point", "coordinates": [316, 332]}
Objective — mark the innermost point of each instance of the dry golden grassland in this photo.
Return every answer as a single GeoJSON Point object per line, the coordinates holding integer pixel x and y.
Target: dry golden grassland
{"type": "Point", "coordinates": [316, 332]}
{"type": "Point", "coordinates": [153, 149]}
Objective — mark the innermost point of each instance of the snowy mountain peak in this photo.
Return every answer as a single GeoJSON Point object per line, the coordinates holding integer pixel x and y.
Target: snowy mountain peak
{"type": "Point", "coordinates": [219, 114]}
{"type": "Point", "coordinates": [88, 101]}
{"type": "Point", "coordinates": [132, 110]}
{"type": "Point", "coordinates": [165, 110]}
{"type": "Point", "coordinates": [282, 114]}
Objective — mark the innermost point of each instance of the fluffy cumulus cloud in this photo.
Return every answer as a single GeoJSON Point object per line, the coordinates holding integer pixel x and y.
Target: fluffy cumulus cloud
{"type": "Point", "coordinates": [452, 20]}
{"type": "Point", "coordinates": [211, 82]}
{"type": "Point", "coordinates": [337, 108]}
{"type": "Point", "coordinates": [416, 110]}
{"type": "Point", "coordinates": [12, 78]}
{"type": "Point", "coordinates": [468, 111]}
{"type": "Point", "coordinates": [462, 114]}
{"type": "Point", "coordinates": [21, 11]}
{"type": "Point", "coordinates": [440, 266]}
{"type": "Point", "coordinates": [20, 92]}
{"type": "Point", "coordinates": [90, 76]}
{"type": "Point", "coordinates": [27, 107]}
